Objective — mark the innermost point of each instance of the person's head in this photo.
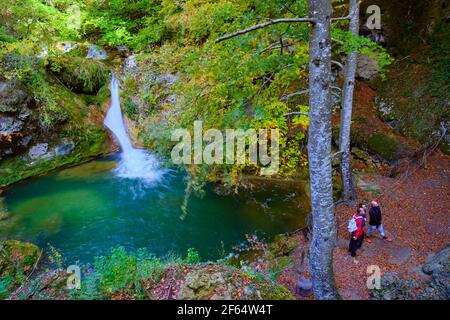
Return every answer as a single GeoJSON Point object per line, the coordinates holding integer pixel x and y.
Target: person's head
{"type": "Point", "coordinates": [362, 206]}
{"type": "Point", "coordinates": [374, 203]}
{"type": "Point", "coordinates": [360, 211]}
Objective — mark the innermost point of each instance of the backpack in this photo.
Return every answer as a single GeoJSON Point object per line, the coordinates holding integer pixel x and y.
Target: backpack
{"type": "Point", "coordinates": [351, 226]}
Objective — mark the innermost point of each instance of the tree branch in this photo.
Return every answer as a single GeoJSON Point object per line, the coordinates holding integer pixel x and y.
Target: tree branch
{"type": "Point", "coordinates": [290, 95]}
{"type": "Point", "coordinates": [296, 112]}
{"type": "Point", "coordinates": [340, 65]}
{"type": "Point", "coordinates": [341, 18]}
{"type": "Point", "coordinates": [263, 25]}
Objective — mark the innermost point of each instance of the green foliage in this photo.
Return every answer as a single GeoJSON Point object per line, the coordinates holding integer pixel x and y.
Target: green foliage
{"type": "Point", "coordinates": [55, 258]}
{"type": "Point", "coordinates": [348, 42]}
{"type": "Point", "coordinates": [122, 271]}
{"type": "Point", "coordinates": [193, 256]}
{"type": "Point", "coordinates": [6, 285]}
{"type": "Point", "coordinates": [136, 23]}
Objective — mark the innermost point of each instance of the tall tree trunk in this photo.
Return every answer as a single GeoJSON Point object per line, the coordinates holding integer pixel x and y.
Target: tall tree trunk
{"type": "Point", "coordinates": [319, 152]}
{"type": "Point", "coordinates": [348, 192]}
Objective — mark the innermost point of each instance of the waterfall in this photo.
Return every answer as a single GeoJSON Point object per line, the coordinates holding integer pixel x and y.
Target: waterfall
{"type": "Point", "coordinates": [134, 163]}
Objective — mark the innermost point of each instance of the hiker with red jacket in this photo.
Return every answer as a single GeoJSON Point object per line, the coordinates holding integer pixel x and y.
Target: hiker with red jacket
{"type": "Point", "coordinates": [375, 222]}
{"type": "Point", "coordinates": [356, 225]}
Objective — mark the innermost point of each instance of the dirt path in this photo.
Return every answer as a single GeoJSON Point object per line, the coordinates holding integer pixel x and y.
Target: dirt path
{"type": "Point", "coordinates": [416, 215]}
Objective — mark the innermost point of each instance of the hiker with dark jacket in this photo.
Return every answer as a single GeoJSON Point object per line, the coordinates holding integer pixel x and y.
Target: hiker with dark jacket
{"type": "Point", "coordinates": [375, 222]}
{"type": "Point", "coordinates": [357, 236]}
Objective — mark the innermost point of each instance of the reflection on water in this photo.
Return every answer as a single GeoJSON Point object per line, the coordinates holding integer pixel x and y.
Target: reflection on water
{"type": "Point", "coordinates": [83, 211]}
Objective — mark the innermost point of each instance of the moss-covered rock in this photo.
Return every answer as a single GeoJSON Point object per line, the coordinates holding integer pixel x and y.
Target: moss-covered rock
{"type": "Point", "coordinates": [79, 74]}
{"type": "Point", "coordinates": [383, 145]}
{"type": "Point", "coordinates": [218, 282]}
{"type": "Point", "coordinates": [282, 245]}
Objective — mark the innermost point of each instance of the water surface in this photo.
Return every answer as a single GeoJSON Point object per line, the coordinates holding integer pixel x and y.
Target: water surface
{"type": "Point", "coordinates": [86, 210]}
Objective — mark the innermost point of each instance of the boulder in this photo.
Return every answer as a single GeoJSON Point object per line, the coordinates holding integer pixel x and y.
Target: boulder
{"type": "Point", "coordinates": [13, 97]}
{"type": "Point", "coordinates": [367, 67]}
{"type": "Point", "coordinates": [220, 282]}
{"type": "Point", "coordinates": [439, 263]}
{"type": "Point", "coordinates": [393, 288]}
{"type": "Point", "coordinates": [304, 287]}
{"type": "Point", "coordinates": [199, 285]}
{"type": "Point", "coordinates": [64, 148]}
{"type": "Point", "coordinates": [39, 151]}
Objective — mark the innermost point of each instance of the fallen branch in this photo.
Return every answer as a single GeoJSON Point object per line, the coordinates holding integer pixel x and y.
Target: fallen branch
{"type": "Point", "coordinates": [263, 25]}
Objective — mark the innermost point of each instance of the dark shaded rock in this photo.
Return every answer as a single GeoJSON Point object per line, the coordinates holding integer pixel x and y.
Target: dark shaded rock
{"type": "Point", "coordinates": [17, 119]}
{"type": "Point", "coordinates": [64, 148]}
{"type": "Point", "coordinates": [393, 288]}
{"type": "Point", "coordinates": [13, 97]}
{"type": "Point", "coordinates": [304, 287]}
{"type": "Point", "coordinates": [439, 263]}
{"type": "Point", "coordinates": [38, 151]}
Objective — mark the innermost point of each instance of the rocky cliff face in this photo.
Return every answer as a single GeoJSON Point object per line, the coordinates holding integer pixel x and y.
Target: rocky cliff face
{"type": "Point", "coordinates": [414, 98]}
{"type": "Point", "coordinates": [30, 146]}
{"type": "Point", "coordinates": [19, 125]}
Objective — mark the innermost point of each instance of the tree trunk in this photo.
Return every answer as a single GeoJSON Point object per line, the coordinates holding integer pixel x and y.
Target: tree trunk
{"type": "Point", "coordinates": [348, 193]}
{"type": "Point", "coordinates": [319, 152]}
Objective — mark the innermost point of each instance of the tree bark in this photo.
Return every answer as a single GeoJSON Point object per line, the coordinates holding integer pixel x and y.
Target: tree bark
{"type": "Point", "coordinates": [348, 193]}
{"type": "Point", "coordinates": [319, 152]}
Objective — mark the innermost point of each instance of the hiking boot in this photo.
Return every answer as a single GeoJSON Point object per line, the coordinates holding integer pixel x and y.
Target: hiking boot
{"type": "Point", "coordinates": [387, 239]}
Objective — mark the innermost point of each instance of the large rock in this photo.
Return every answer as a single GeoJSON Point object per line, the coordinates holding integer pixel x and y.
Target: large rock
{"type": "Point", "coordinates": [221, 282]}
{"type": "Point", "coordinates": [393, 287]}
{"type": "Point", "coordinates": [18, 122]}
{"type": "Point", "coordinates": [438, 266]}
{"type": "Point", "coordinates": [439, 263]}
{"type": "Point", "coordinates": [367, 67]}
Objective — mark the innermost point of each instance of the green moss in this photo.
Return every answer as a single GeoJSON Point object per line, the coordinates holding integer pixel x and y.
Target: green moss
{"type": "Point", "coordinates": [282, 245]}
{"type": "Point", "coordinates": [276, 292]}
{"type": "Point", "coordinates": [90, 143]}
{"type": "Point", "coordinates": [383, 145]}
{"type": "Point", "coordinates": [79, 74]}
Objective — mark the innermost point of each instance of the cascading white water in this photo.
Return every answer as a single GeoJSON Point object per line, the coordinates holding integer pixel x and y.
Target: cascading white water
{"type": "Point", "coordinates": [134, 163]}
